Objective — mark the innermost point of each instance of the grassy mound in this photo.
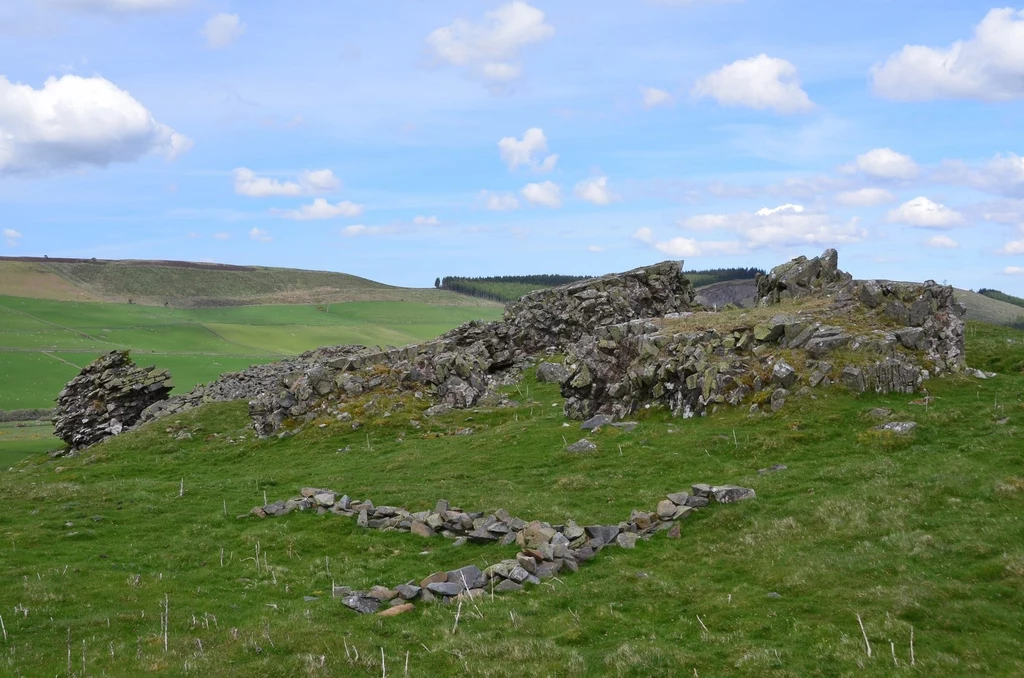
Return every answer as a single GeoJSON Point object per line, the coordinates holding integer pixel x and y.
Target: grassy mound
{"type": "Point", "coordinates": [919, 533]}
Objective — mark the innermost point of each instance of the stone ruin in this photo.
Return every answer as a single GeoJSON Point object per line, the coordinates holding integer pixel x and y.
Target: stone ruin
{"type": "Point", "coordinates": [629, 341]}
{"type": "Point", "coordinates": [108, 397]}
{"type": "Point", "coordinates": [546, 550]}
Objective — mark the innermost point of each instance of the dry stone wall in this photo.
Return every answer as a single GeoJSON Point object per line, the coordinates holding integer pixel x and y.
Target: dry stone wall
{"type": "Point", "coordinates": [106, 398]}
{"type": "Point", "coordinates": [546, 549]}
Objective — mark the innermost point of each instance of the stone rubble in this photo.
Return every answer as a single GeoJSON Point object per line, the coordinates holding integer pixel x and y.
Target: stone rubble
{"type": "Point", "coordinates": [545, 550]}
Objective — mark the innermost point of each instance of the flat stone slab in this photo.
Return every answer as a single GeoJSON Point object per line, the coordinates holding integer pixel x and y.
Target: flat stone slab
{"type": "Point", "coordinates": [582, 445]}
{"type": "Point", "coordinates": [901, 428]}
{"type": "Point", "coordinates": [361, 604]}
{"type": "Point", "coordinates": [596, 422]}
{"type": "Point", "coordinates": [728, 494]}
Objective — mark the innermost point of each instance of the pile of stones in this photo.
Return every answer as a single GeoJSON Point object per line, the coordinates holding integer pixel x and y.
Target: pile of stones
{"type": "Point", "coordinates": [107, 398]}
{"type": "Point", "coordinates": [546, 549]}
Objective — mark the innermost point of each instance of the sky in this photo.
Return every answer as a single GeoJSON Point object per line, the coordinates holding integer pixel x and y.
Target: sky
{"type": "Point", "coordinates": [402, 140]}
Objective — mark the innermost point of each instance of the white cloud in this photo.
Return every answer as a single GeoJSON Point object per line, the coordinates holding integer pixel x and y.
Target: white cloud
{"type": "Point", "coordinates": [222, 29]}
{"type": "Point", "coordinates": [1003, 175]}
{"type": "Point", "coordinates": [1014, 270]}
{"type": "Point", "coordinates": [260, 235]}
{"type": "Point", "coordinates": [654, 97]}
{"type": "Point", "coordinates": [884, 163]}
{"type": "Point", "coordinates": [989, 66]}
{"type": "Point", "coordinates": [761, 82]}
{"type": "Point", "coordinates": [321, 209]}
{"type": "Point", "coordinates": [924, 213]}
{"type": "Point", "coordinates": [595, 248]}
{"type": "Point", "coordinates": [311, 182]}
{"type": "Point", "coordinates": [420, 220]}
{"type": "Point", "coordinates": [528, 151]}
{"type": "Point", "coordinates": [74, 122]}
{"type": "Point", "coordinates": [490, 50]}
{"type": "Point", "coordinates": [123, 6]}
{"type": "Point", "coordinates": [499, 202]}
{"type": "Point", "coordinates": [221, 236]}
{"type": "Point", "coordinates": [865, 197]}
{"type": "Point", "coordinates": [1013, 247]}
{"type": "Point", "coordinates": [547, 193]}
{"type": "Point", "coordinates": [771, 227]}
{"type": "Point", "coordinates": [319, 181]}
{"type": "Point", "coordinates": [942, 242]}
{"type": "Point", "coordinates": [11, 237]}
{"type": "Point", "coordinates": [595, 190]}
{"type": "Point", "coordinates": [361, 229]}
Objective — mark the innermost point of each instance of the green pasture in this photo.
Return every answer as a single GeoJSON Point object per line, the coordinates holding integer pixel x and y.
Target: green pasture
{"type": "Point", "coordinates": [918, 539]}
{"type": "Point", "coordinates": [44, 343]}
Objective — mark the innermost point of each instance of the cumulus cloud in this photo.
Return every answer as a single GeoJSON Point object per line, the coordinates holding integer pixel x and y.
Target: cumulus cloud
{"type": "Point", "coordinates": [1003, 175]}
{"type": "Point", "coordinates": [548, 194]}
{"type": "Point", "coordinates": [988, 66]}
{"type": "Point", "coordinates": [595, 248]}
{"type": "Point", "coordinates": [222, 29]}
{"type": "Point", "coordinates": [11, 237]}
{"type": "Point", "coordinates": [885, 163]}
{"type": "Point", "coordinates": [490, 50]}
{"type": "Point", "coordinates": [310, 182]}
{"type": "Point", "coordinates": [761, 82]}
{"type": "Point", "coordinates": [942, 242]}
{"type": "Point", "coordinates": [654, 97]}
{"type": "Point", "coordinates": [320, 209]}
{"type": "Point", "coordinates": [499, 202]}
{"type": "Point", "coordinates": [362, 229]}
{"type": "Point", "coordinates": [122, 6]}
{"type": "Point", "coordinates": [528, 151]}
{"type": "Point", "coordinates": [865, 197]}
{"type": "Point", "coordinates": [75, 122]}
{"type": "Point", "coordinates": [260, 235]}
{"type": "Point", "coordinates": [1014, 270]}
{"type": "Point", "coordinates": [924, 213]}
{"type": "Point", "coordinates": [771, 227]}
{"type": "Point", "coordinates": [1013, 247]}
{"type": "Point", "coordinates": [595, 190]}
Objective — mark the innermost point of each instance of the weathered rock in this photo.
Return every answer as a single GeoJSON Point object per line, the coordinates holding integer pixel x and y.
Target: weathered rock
{"type": "Point", "coordinates": [783, 374]}
{"type": "Point", "coordinates": [362, 604]}
{"type": "Point", "coordinates": [107, 398]}
{"type": "Point", "coordinates": [397, 610]}
{"type": "Point", "coordinates": [552, 373]}
{"type": "Point", "coordinates": [408, 591]}
{"type": "Point", "coordinates": [602, 534]}
{"type": "Point", "coordinates": [727, 494]}
{"type": "Point", "coordinates": [626, 540]}
{"type": "Point", "coordinates": [421, 529]}
{"type": "Point", "coordinates": [508, 586]}
{"type": "Point", "coordinates": [666, 509]}
{"type": "Point", "coordinates": [436, 578]}
{"type": "Point", "coordinates": [446, 589]}
{"type": "Point", "coordinates": [582, 445]}
{"type": "Point", "coordinates": [898, 427]}
{"type": "Point", "coordinates": [674, 532]}
{"type": "Point", "coordinates": [678, 498]}
{"type": "Point", "coordinates": [596, 422]}
{"type": "Point", "coordinates": [778, 400]}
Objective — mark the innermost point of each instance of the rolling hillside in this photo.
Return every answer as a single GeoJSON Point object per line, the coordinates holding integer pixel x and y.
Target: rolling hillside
{"type": "Point", "coordinates": [190, 285]}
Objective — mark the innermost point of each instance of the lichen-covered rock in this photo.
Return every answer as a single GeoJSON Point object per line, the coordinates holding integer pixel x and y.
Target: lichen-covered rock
{"type": "Point", "coordinates": [799, 278]}
{"type": "Point", "coordinates": [106, 398]}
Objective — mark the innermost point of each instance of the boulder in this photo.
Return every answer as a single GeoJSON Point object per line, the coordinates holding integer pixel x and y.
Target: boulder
{"type": "Point", "coordinates": [582, 445]}
{"type": "Point", "coordinates": [727, 494]}
{"type": "Point", "coordinates": [552, 373]}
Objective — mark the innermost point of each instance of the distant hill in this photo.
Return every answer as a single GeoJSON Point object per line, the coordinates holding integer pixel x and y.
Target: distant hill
{"type": "Point", "coordinates": [1002, 296]}
{"type": "Point", "coordinates": [199, 285]}
{"type": "Point", "coordinates": [984, 308]}
{"type": "Point", "coordinates": [511, 287]}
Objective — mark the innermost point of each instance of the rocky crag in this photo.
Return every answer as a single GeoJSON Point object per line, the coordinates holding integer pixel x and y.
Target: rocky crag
{"type": "Point", "coordinates": [868, 335]}
{"type": "Point", "coordinates": [546, 550]}
{"type": "Point", "coordinates": [629, 340]}
{"type": "Point", "coordinates": [107, 398]}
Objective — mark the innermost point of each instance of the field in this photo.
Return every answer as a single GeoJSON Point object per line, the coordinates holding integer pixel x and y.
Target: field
{"type": "Point", "coordinates": [187, 284]}
{"type": "Point", "coordinates": [987, 310]}
{"type": "Point", "coordinates": [918, 537]}
{"type": "Point", "coordinates": [44, 343]}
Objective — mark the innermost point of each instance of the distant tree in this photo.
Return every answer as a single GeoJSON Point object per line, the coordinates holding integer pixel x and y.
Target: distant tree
{"type": "Point", "coordinates": [437, 282]}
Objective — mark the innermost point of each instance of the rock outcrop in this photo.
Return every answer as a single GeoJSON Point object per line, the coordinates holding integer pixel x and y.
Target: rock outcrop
{"type": "Point", "coordinates": [106, 398]}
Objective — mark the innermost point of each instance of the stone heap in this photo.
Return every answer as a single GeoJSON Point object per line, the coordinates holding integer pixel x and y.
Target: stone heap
{"type": "Point", "coordinates": [545, 549]}
{"type": "Point", "coordinates": [466, 364]}
{"type": "Point", "coordinates": [106, 398]}
{"type": "Point", "coordinates": [869, 335]}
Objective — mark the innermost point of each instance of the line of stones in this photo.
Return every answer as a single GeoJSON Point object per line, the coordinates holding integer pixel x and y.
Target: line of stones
{"type": "Point", "coordinates": [545, 549]}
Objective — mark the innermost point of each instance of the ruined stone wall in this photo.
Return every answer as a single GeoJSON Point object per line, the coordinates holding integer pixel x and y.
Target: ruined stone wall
{"type": "Point", "coordinates": [106, 398]}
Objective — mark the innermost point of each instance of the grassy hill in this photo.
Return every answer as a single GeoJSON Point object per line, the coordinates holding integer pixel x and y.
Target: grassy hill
{"type": "Point", "coordinates": [917, 537]}
{"type": "Point", "coordinates": [988, 310]}
{"type": "Point", "coordinates": [44, 343]}
{"type": "Point", "coordinates": [188, 284]}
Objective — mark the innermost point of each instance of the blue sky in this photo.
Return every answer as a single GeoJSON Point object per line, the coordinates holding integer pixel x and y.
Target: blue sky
{"type": "Point", "coordinates": [411, 139]}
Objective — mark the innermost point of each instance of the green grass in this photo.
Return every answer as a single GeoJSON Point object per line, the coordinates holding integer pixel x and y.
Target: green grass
{"type": "Point", "coordinates": [922, 532]}
{"type": "Point", "coordinates": [19, 440]}
{"type": "Point", "coordinates": [197, 345]}
{"type": "Point", "coordinates": [987, 310]}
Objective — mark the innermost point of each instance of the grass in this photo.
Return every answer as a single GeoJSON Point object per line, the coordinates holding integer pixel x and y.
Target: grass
{"type": "Point", "coordinates": [920, 533]}
{"type": "Point", "coordinates": [44, 343]}
{"type": "Point", "coordinates": [987, 310]}
{"type": "Point", "coordinates": [155, 283]}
